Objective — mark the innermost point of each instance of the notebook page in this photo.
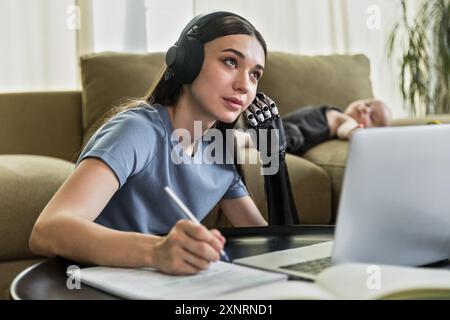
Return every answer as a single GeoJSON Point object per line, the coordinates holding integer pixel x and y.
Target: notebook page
{"type": "Point", "coordinates": [283, 290]}
{"type": "Point", "coordinates": [147, 283]}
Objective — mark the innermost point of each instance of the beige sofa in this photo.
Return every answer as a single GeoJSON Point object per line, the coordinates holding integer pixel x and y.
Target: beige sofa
{"type": "Point", "coordinates": [42, 132]}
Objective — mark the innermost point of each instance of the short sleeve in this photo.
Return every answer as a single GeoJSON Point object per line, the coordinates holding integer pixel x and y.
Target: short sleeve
{"type": "Point", "coordinates": [237, 188]}
{"type": "Point", "coordinates": [127, 143]}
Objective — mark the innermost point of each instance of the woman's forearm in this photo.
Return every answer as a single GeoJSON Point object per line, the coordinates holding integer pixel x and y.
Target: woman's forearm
{"type": "Point", "coordinates": [242, 212]}
{"type": "Point", "coordinates": [84, 241]}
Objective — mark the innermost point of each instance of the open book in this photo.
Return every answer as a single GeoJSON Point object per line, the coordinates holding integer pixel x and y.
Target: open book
{"type": "Point", "coordinates": [229, 281]}
{"type": "Point", "coordinates": [358, 281]}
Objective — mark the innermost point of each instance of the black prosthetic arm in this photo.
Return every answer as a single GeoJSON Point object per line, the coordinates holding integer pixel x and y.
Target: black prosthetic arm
{"type": "Point", "coordinates": [263, 114]}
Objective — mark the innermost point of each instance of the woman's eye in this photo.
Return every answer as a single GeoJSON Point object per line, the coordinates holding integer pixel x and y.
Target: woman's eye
{"type": "Point", "coordinates": [231, 62]}
{"type": "Point", "coordinates": [257, 75]}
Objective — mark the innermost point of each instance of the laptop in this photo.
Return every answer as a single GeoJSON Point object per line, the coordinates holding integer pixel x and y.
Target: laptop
{"type": "Point", "coordinates": [394, 206]}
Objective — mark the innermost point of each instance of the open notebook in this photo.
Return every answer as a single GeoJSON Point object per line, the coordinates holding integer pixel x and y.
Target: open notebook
{"type": "Point", "coordinates": [230, 281]}
{"type": "Point", "coordinates": [146, 283]}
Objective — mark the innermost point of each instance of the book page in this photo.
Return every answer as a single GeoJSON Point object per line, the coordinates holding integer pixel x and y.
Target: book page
{"type": "Point", "coordinates": [286, 290]}
{"type": "Point", "coordinates": [365, 281]}
{"type": "Point", "coordinates": [147, 283]}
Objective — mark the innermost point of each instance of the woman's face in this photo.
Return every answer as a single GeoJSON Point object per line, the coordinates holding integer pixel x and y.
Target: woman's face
{"type": "Point", "coordinates": [227, 82]}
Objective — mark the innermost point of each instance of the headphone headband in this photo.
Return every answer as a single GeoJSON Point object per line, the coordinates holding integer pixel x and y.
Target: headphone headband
{"type": "Point", "coordinates": [201, 19]}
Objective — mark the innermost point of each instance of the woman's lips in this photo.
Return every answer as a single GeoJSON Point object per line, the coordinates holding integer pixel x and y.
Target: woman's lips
{"type": "Point", "coordinates": [233, 104]}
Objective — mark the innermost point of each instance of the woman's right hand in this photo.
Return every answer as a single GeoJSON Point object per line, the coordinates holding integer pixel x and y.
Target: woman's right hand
{"type": "Point", "coordinates": [187, 249]}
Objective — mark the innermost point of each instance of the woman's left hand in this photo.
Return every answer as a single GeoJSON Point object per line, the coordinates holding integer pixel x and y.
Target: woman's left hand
{"type": "Point", "coordinates": [263, 114]}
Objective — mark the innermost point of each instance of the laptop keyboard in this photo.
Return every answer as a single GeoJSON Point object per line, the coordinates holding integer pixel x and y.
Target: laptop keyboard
{"type": "Point", "coordinates": [311, 267]}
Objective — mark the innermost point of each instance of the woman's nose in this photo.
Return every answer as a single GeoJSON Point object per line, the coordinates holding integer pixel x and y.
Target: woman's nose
{"type": "Point", "coordinates": [242, 83]}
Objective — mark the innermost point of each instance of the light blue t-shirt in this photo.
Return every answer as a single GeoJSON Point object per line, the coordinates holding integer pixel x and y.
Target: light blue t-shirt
{"type": "Point", "coordinates": [137, 146]}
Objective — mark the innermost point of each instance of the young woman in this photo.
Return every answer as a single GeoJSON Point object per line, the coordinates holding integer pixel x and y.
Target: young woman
{"type": "Point", "coordinates": [113, 208]}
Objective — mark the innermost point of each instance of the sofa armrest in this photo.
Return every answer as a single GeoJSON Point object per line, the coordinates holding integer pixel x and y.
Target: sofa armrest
{"type": "Point", "coordinates": [420, 121]}
{"type": "Point", "coordinates": [41, 123]}
{"type": "Point", "coordinates": [27, 183]}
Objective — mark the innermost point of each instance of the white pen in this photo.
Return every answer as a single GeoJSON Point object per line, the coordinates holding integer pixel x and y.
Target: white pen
{"type": "Point", "coordinates": [189, 214]}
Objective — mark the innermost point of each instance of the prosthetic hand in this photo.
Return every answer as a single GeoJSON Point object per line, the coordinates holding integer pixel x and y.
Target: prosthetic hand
{"type": "Point", "coordinates": [263, 114]}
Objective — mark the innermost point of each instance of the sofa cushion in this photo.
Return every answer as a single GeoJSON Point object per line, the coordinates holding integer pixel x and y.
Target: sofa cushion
{"type": "Point", "coordinates": [295, 81]}
{"type": "Point", "coordinates": [310, 184]}
{"type": "Point", "coordinates": [331, 156]}
{"type": "Point", "coordinates": [313, 187]}
{"type": "Point", "coordinates": [109, 77]}
{"type": "Point", "coordinates": [26, 185]}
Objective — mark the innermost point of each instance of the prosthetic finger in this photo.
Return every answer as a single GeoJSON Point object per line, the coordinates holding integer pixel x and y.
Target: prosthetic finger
{"type": "Point", "coordinates": [273, 107]}
{"type": "Point", "coordinates": [257, 112]}
{"type": "Point", "coordinates": [269, 102]}
{"type": "Point", "coordinates": [251, 118]}
{"type": "Point", "coordinates": [265, 109]}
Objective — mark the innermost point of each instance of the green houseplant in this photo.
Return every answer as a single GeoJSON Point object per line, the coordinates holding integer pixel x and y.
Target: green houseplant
{"type": "Point", "coordinates": [424, 45]}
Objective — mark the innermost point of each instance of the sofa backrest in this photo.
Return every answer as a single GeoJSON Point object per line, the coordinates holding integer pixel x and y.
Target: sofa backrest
{"type": "Point", "coordinates": [54, 123]}
{"type": "Point", "coordinates": [291, 80]}
{"type": "Point", "coordinates": [295, 81]}
{"type": "Point", "coordinates": [108, 78]}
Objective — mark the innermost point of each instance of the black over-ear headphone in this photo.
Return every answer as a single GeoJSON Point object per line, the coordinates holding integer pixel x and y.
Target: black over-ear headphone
{"type": "Point", "coordinates": [185, 58]}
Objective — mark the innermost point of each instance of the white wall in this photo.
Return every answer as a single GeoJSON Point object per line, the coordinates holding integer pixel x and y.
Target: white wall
{"type": "Point", "coordinates": [327, 27]}
{"type": "Point", "coordinates": [369, 24]}
{"type": "Point", "coordinates": [38, 50]}
{"type": "Point", "coordinates": [137, 25]}
{"type": "Point", "coordinates": [165, 20]}
{"type": "Point", "coordinates": [276, 20]}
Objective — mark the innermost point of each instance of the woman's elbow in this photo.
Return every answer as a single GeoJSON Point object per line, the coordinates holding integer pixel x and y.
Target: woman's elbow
{"type": "Point", "coordinates": [37, 242]}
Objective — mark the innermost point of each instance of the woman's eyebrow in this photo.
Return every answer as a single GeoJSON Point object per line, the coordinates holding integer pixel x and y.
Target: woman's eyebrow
{"type": "Point", "coordinates": [242, 56]}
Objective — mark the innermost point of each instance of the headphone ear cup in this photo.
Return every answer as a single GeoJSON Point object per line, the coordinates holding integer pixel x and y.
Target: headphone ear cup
{"type": "Point", "coordinates": [175, 58]}
{"type": "Point", "coordinates": [186, 60]}
{"type": "Point", "coordinates": [195, 56]}
{"type": "Point", "coordinates": [171, 56]}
